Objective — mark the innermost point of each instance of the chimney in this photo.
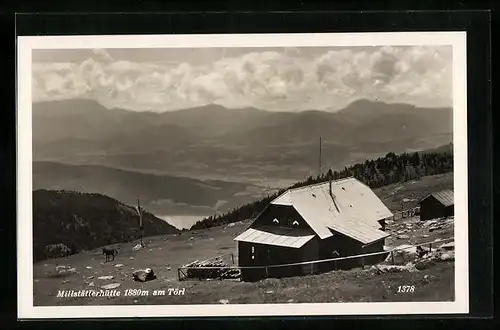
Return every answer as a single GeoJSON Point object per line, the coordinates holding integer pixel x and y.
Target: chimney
{"type": "Point", "coordinates": [330, 178]}
{"type": "Point", "coordinates": [330, 185]}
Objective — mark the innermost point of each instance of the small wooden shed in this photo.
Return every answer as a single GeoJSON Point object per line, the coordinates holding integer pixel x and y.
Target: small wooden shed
{"type": "Point", "coordinates": [437, 205]}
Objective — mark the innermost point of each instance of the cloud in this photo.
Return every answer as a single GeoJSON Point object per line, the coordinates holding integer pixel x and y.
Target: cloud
{"type": "Point", "coordinates": [273, 80]}
{"type": "Point", "coordinates": [102, 55]}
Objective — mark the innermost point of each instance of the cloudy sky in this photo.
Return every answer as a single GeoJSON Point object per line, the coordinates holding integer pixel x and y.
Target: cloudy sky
{"type": "Point", "coordinates": [278, 79]}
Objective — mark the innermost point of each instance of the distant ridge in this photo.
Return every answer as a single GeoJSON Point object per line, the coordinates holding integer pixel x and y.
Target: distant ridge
{"type": "Point", "coordinates": [213, 142]}
{"type": "Point", "coordinates": [160, 194]}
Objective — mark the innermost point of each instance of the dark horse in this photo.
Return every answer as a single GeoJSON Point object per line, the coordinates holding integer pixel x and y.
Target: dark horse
{"type": "Point", "coordinates": [109, 252]}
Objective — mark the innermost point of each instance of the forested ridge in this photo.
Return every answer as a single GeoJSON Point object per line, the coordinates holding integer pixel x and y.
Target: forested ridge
{"type": "Point", "coordinates": [72, 221]}
{"type": "Point", "coordinates": [392, 168]}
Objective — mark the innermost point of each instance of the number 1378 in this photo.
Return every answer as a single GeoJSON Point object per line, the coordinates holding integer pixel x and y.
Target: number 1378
{"type": "Point", "coordinates": [406, 289]}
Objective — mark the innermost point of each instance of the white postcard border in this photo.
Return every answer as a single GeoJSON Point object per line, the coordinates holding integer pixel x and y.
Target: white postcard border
{"type": "Point", "coordinates": [24, 172]}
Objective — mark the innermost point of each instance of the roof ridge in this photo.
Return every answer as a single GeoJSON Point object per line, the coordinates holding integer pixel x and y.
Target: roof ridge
{"type": "Point", "coordinates": [320, 183]}
{"type": "Point", "coordinates": [441, 191]}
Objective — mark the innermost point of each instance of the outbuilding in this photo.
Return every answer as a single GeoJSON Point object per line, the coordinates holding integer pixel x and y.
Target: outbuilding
{"type": "Point", "coordinates": [437, 205]}
{"type": "Point", "coordinates": [316, 222]}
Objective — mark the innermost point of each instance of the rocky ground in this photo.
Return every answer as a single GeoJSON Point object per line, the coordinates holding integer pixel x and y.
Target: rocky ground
{"type": "Point", "coordinates": [432, 274]}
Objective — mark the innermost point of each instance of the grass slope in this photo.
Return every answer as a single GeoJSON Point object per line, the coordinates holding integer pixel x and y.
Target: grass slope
{"type": "Point", "coordinates": [165, 253]}
{"type": "Point", "coordinates": [403, 196]}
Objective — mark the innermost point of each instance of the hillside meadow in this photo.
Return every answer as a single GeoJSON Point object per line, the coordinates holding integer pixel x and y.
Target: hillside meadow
{"type": "Point", "coordinates": [165, 253]}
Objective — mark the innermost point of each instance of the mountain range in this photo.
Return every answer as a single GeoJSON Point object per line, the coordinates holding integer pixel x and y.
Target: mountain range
{"type": "Point", "coordinates": [231, 144]}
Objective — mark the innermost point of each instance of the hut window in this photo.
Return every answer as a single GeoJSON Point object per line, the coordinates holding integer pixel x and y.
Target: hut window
{"type": "Point", "coordinates": [290, 223]}
{"type": "Point", "coordinates": [276, 221]}
{"type": "Point", "coordinates": [295, 223]}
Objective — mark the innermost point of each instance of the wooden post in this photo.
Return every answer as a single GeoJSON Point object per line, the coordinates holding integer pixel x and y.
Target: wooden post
{"type": "Point", "coordinates": [267, 274]}
{"type": "Point", "coordinates": [311, 268]}
{"type": "Point", "coordinates": [430, 247]}
{"type": "Point", "coordinates": [141, 226]}
{"type": "Point", "coordinates": [362, 262]}
{"type": "Point", "coordinates": [392, 257]}
{"type": "Point", "coordinates": [232, 258]}
{"type": "Point", "coordinates": [179, 274]}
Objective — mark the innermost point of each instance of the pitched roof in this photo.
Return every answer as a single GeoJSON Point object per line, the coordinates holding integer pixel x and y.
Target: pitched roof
{"type": "Point", "coordinates": [273, 235]}
{"type": "Point", "coordinates": [444, 197]}
{"type": "Point", "coordinates": [354, 211]}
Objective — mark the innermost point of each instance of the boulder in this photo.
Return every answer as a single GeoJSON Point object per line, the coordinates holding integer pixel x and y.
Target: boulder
{"type": "Point", "coordinates": [65, 270]}
{"type": "Point", "coordinates": [110, 286]}
{"type": "Point", "coordinates": [381, 269]}
{"type": "Point", "coordinates": [406, 249]}
{"type": "Point", "coordinates": [434, 228]}
{"type": "Point", "coordinates": [143, 275]}
{"type": "Point", "coordinates": [448, 246]}
{"type": "Point", "coordinates": [428, 223]}
{"type": "Point", "coordinates": [447, 256]}
{"type": "Point", "coordinates": [108, 277]}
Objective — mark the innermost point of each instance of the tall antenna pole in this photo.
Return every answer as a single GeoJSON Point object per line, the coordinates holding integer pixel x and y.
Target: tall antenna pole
{"type": "Point", "coordinates": [141, 228]}
{"type": "Point", "coordinates": [320, 156]}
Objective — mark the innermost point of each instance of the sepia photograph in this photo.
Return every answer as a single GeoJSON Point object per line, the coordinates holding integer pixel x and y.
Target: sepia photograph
{"type": "Point", "coordinates": [219, 175]}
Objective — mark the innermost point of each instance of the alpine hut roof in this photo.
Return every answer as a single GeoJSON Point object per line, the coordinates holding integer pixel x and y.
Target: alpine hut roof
{"type": "Point", "coordinates": [444, 197]}
{"type": "Point", "coordinates": [352, 209]}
